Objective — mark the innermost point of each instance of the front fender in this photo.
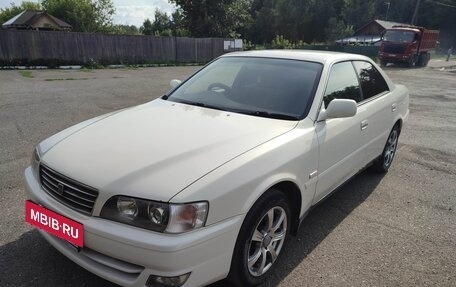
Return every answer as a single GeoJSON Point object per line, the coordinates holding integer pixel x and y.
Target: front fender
{"type": "Point", "coordinates": [234, 187]}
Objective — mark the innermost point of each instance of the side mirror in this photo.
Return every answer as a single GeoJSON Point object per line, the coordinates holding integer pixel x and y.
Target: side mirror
{"type": "Point", "coordinates": [339, 108]}
{"type": "Point", "coordinates": [175, 83]}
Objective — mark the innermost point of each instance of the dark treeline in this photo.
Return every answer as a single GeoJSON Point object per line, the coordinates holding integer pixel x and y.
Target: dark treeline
{"type": "Point", "coordinates": [257, 21]}
{"type": "Point", "coordinates": [260, 21]}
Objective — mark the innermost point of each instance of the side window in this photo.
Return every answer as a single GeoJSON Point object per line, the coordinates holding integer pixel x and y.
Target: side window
{"type": "Point", "coordinates": [342, 84]}
{"type": "Point", "coordinates": [372, 82]}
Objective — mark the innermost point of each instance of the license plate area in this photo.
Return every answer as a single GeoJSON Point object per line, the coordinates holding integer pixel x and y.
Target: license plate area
{"type": "Point", "coordinates": [55, 224]}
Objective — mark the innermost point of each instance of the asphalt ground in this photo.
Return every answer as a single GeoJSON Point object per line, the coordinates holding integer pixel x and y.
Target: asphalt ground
{"type": "Point", "coordinates": [397, 229]}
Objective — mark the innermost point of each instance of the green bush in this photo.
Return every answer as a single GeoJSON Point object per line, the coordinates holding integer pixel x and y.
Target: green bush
{"type": "Point", "coordinates": [248, 45]}
{"type": "Point", "coordinates": [279, 42]}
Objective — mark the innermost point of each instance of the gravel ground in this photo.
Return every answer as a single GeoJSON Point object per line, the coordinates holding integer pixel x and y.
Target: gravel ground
{"type": "Point", "coordinates": [391, 230]}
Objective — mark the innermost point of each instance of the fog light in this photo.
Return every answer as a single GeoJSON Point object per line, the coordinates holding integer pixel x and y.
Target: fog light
{"type": "Point", "coordinates": [161, 281]}
{"type": "Point", "coordinates": [127, 206]}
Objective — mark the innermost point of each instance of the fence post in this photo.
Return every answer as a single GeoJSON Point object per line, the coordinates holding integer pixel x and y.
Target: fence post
{"type": "Point", "coordinates": [175, 49]}
{"type": "Point", "coordinates": [212, 47]}
{"type": "Point", "coordinates": [196, 50]}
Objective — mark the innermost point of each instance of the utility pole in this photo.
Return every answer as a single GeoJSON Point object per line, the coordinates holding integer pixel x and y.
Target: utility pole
{"type": "Point", "coordinates": [415, 14]}
{"type": "Point", "coordinates": [387, 10]}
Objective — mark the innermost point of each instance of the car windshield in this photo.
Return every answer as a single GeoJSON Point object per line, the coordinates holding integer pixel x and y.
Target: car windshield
{"type": "Point", "coordinates": [399, 36]}
{"type": "Point", "coordinates": [265, 87]}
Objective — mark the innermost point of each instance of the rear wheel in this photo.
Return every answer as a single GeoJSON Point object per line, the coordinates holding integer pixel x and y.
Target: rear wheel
{"type": "Point", "coordinates": [383, 162]}
{"type": "Point", "coordinates": [261, 239]}
{"type": "Point", "coordinates": [428, 58]}
{"type": "Point", "coordinates": [383, 63]}
{"type": "Point", "coordinates": [423, 59]}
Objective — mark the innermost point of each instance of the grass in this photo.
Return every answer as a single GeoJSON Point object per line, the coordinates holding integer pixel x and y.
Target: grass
{"type": "Point", "coordinates": [26, 74]}
{"type": "Point", "coordinates": [86, 70]}
{"type": "Point", "coordinates": [67, 79]}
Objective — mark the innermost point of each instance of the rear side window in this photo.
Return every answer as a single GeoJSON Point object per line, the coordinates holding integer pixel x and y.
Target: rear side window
{"type": "Point", "coordinates": [342, 84]}
{"type": "Point", "coordinates": [372, 82]}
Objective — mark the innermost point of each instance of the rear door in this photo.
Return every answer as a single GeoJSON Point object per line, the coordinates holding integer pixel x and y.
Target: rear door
{"type": "Point", "coordinates": [380, 108]}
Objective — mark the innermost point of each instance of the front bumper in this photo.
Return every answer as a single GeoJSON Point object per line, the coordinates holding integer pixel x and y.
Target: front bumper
{"type": "Point", "coordinates": [394, 58]}
{"type": "Point", "coordinates": [128, 255]}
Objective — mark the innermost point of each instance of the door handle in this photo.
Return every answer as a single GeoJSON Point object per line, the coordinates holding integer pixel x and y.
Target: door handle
{"type": "Point", "coordinates": [393, 107]}
{"type": "Point", "coordinates": [364, 125]}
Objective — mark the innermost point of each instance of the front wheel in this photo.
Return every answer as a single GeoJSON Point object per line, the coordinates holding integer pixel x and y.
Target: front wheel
{"type": "Point", "coordinates": [412, 61]}
{"type": "Point", "coordinates": [261, 240]}
{"type": "Point", "coordinates": [383, 162]}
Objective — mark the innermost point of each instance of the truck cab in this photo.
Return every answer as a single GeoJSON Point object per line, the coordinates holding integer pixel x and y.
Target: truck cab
{"type": "Point", "coordinates": [406, 44]}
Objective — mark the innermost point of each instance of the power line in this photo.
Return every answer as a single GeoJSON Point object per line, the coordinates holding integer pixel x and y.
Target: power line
{"type": "Point", "coordinates": [441, 4]}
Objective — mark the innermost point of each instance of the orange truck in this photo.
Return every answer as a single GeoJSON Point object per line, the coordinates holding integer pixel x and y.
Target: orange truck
{"type": "Point", "coordinates": [407, 44]}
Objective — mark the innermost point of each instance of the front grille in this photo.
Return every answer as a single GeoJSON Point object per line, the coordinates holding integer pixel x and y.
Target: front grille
{"type": "Point", "coordinates": [394, 49]}
{"type": "Point", "coordinates": [73, 194]}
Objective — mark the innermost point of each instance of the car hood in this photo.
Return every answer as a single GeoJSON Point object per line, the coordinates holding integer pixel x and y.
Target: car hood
{"type": "Point", "coordinates": [157, 149]}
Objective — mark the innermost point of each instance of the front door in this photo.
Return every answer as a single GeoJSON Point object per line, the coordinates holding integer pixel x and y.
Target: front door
{"type": "Point", "coordinates": [342, 141]}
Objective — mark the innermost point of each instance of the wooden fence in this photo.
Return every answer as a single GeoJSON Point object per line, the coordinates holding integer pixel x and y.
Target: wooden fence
{"type": "Point", "coordinates": [24, 47]}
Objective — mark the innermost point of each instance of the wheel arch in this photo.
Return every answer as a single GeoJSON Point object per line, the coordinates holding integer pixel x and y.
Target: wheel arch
{"type": "Point", "coordinates": [294, 196]}
{"type": "Point", "coordinates": [398, 123]}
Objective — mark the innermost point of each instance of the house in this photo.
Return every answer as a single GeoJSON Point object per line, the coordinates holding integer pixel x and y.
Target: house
{"type": "Point", "coordinates": [369, 34]}
{"type": "Point", "coordinates": [36, 20]}
{"type": "Point", "coordinates": [376, 28]}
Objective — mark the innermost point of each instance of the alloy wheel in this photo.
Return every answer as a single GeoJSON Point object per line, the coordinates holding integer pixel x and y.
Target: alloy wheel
{"type": "Point", "coordinates": [267, 241]}
{"type": "Point", "coordinates": [390, 148]}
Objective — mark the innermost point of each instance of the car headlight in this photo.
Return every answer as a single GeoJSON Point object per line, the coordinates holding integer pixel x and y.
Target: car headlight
{"type": "Point", "coordinates": [35, 161]}
{"type": "Point", "coordinates": [156, 216]}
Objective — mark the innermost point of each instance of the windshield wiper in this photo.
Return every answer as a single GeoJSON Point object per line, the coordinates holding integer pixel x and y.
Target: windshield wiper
{"type": "Point", "coordinates": [200, 104]}
{"type": "Point", "coordinates": [274, 115]}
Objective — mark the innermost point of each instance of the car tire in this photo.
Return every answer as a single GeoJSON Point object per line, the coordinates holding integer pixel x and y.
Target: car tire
{"type": "Point", "coordinates": [261, 239]}
{"type": "Point", "coordinates": [383, 162]}
{"type": "Point", "coordinates": [412, 61]}
{"type": "Point", "coordinates": [383, 63]}
{"type": "Point", "coordinates": [423, 59]}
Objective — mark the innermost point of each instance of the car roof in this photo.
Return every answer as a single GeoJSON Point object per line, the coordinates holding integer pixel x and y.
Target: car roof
{"type": "Point", "coordinates": [323, 57]}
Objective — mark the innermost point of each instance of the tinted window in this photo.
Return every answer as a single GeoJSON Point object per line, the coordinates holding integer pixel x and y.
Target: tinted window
{"type": "Point", "coordinates": [372, 82]}
{"type": "Point", "coordinates": [265, 87]}
{"type": "Point", "coordinates": [342, 84]}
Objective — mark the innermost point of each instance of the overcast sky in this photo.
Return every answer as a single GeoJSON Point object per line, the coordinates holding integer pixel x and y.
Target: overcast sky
{"type": "Point", "coordinates": [132, 12]}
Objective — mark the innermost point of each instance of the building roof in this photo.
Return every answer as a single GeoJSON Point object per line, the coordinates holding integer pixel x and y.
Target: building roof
{"type": "Point", "coordinates": [384, 24]}
{"type": "Point", "coordinates": [363, 39]}
{"type": "Point", "coordinates": [388, 24]}
{"type": "Point", "coordinates": [27, 18]}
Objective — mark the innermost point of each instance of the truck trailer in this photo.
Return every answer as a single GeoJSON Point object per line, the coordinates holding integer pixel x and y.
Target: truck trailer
{"type": "Point", "coordinates": [407, 44]}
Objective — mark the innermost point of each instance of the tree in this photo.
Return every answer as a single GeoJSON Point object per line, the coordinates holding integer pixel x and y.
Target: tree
{"type": "Point", "coordinates": [358, 12]}
{"type": "Point", "coordinates": [9, 12]}
{"type": "Point", "coordinates": [162, 24]}
{"type": "Point", "coordinates": [337, 30]}
{"type": "Point", "coordinates": [178, 24]}
{"type": "Point", "coordinates": [146, 28]}
{"type": "Point", "coordinates": [124, 30]}
{"type": "Point", "coordinates": [222, 18]}
{"type": "Point", "coordinates": [83, 15]}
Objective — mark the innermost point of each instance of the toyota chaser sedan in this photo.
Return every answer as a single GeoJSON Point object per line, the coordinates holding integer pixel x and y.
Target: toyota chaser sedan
{"type": "Point", "coordinates": [211, 180]}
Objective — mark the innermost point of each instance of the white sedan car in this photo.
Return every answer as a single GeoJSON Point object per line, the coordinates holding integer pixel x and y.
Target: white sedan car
{"type": "Point", "coordinates": [209, 181]}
